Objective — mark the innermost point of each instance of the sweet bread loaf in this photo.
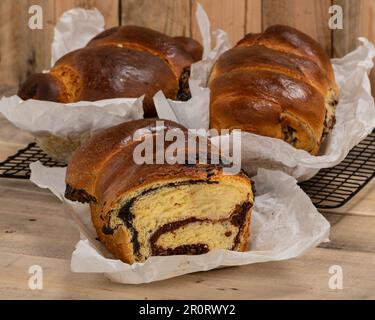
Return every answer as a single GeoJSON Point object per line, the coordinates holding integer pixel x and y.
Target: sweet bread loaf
{"type": "Point", "coordinates": [126, 61]}
{"type": "Point", "coordinates": [280, 84]}
{"type": "Point", "coordinates": [143, 210]}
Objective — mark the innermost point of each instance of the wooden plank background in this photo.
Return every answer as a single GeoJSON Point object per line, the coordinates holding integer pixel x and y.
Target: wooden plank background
{"type": "Point", "coordinates": [24, 51]}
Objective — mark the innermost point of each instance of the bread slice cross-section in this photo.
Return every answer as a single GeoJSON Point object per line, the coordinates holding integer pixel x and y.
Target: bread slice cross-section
{"type": "Point", "coordinates": [143, 210]}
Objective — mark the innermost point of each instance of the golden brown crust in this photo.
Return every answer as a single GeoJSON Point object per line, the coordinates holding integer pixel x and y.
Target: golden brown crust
{"type": "Point", "coordinates": [265, 103]}
{"type": "Point", "coordinates": [194, 48]}
{"type": "Point", "coordinates": [132, 74]}
{"type": "Point", "coordinates": [126, 61]}
{"type": "Point", "coordinates": [94, 156]}
{"type": "Point", "coordinates": [118, 242]}
{"type": "Point", "coordinates": [42, 86]}
{"type": "Point", "coordinates": [256, 58]}
{"type": "Point", "coordinates": [149, 40]}
{"type": "Point", "coordinates": [243, 244]}
{"type": "Point", "coordinates": [290, 40]}
{"type": "Point", "coordinates": [276, 84]}
{"type": "Point", "coordinates": [102, 170]}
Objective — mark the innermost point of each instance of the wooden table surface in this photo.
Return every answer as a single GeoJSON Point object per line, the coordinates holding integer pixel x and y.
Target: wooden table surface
{"type": "Point", "coordinates": [34, 231]}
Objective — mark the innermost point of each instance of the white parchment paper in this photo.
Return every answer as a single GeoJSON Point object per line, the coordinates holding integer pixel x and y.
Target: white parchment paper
{"type": "Point", "coordinates": [355, 116]}
{"type": "Point", "coordinates": [75, 28]}
{"type": "Point", "coordinates": [284, 224]}
{"type": "Point", "coordinates": [58, 127]}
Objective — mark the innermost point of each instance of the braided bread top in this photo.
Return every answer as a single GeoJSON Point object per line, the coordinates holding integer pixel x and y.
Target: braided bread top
{"type": "Point", "coordinates": [280, 84]}
{"type": "Point", "coordinates": [126, 61]}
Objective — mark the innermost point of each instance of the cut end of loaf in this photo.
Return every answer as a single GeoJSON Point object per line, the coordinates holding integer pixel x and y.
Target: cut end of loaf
{"type": "Point", "coordinates": [41, 86]}
{"type": "Point", "coordinates": [71, 82]}
{"type": "Point", "coordinates": [181, 217]}
{"type": "Point", "coordinates": [79, 195]}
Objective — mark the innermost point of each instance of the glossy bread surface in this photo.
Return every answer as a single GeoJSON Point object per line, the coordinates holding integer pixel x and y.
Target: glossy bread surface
{"type": "Point", "coordinates": [278, 84]}
{"type": "Point", "coordinates": [126, 61]}
{"type": "Point", "coordinates": [140, 210]}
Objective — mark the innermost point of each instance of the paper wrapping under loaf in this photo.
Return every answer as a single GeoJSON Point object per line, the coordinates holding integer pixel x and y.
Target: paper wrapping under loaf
{"type": "Point", "coordinates": [284, 224]}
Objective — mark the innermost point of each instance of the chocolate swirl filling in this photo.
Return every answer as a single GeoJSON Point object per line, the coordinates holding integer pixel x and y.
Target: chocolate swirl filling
{"type": "Point", "coordinates": [237, 218]}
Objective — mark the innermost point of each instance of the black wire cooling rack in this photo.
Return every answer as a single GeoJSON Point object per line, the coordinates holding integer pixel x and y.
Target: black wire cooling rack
{"type": "Point", "coordinates": [17, 165]}
{"type": "Point", "coordinates": [333, 187]}
{"type": "Point", "coordinates": [330, 188]}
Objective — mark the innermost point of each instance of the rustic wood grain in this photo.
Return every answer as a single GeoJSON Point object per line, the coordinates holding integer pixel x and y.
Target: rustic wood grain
{"type": "Point", "coordinates": [228, 15]}
{"type": "Point", "coordinates": [167, 16]}
{"type": "Point", "coordinates": [302, 278]}
{"type": "Point", "coordinates": [351, 232]}
{"type": "Point", "coordinates": [35, 230]}
{"type": "Point", "coordinates": [308, 16]}
{"type": "Point", "coordinates": [358, 21]}
{"type": "Point", "coordinates": [7, 90]}
{"type": "Point", "coordinates": [372, 80]}
{"type": "Point", "coordinates": [345, 40]}
{"type": "Point", "coordinates": [23, 51]}
{"type": "Point", "coordinates": [253, 22]}
{"type": "Point", "coordinates": [367, 19]}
